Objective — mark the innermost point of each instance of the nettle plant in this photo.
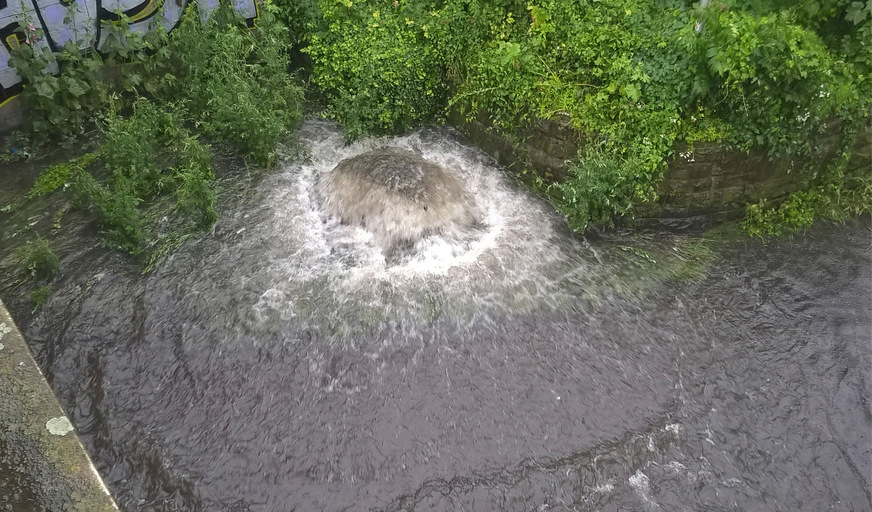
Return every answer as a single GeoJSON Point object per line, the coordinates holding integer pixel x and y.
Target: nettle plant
{"type": "Point", "coordinates": [63, 89]}
{"type": "Point", "coordinates": [234, 82]}
{"type": "Point", "coordinates": [151, 181]}
{"type": "Point", "coordinates": [149, 168]}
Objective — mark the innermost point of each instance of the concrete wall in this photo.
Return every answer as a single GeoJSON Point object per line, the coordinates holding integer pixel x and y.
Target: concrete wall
{"type": "Point", "coordinates": [50, 24]}
{"type": "Point", "coordinates": [712, 180]}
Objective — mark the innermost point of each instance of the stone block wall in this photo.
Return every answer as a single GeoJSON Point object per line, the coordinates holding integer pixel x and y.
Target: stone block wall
{"type": "Point", "coordinates": [711, 180]}
{"type": "Point", "coordinates": [545, 149]}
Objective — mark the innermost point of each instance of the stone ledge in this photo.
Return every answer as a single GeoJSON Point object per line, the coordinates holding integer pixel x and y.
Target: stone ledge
{"type": "Point", "coordinates": [41, 457]}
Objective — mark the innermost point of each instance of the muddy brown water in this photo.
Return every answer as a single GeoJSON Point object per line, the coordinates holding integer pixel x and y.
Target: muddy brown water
{"type": "Point", "coordinates": [282, 363]}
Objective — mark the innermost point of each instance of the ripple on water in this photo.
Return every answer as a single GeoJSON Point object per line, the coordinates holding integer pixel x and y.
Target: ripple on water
{"type": "Point", "coordinates": [285, 363]}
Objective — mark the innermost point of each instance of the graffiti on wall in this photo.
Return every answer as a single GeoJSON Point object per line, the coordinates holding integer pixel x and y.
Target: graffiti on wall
{"type": "Point", "coordinates": [81, 21]}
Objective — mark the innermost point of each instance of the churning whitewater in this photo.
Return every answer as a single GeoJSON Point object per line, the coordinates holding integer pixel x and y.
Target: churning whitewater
{"type": "Point", "coordinates": [502, 255]}
{"type": "Point", "coordinates": [399, 196]}
{"type": "Point", "coordinates": [286, 361]}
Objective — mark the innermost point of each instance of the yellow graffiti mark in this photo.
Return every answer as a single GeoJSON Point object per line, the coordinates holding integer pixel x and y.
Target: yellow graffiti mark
{"type": "Point", "coordinates": [12, 41]}
{"type": "Point", "coordinates": [256, 15]}
{"type": "Point", "coordinates": [150, 8]}
{"type": "Point", "coordinates": [7, 100]}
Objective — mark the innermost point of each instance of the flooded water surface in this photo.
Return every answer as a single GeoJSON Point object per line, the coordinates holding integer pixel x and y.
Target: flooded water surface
{"type": "Point", "coordinates": [286, 362]}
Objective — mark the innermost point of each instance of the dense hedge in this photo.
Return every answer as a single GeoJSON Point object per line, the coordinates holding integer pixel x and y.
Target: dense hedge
{"type": "Point", "coordinates": [636, 75]}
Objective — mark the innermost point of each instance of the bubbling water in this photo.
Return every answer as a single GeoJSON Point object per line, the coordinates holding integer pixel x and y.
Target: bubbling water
{"type": "Point", "coordinates": [399, 196]}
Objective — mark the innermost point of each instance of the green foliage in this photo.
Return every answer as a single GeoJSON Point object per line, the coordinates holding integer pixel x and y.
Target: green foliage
{"type": "Point", "coordinates": [776, 81]}
{"type": "Point", "coordinates": [151, 183]}
{"type": "Point", "coordinates": [589, 66]}
{"type": "Point", "coordinates": [233, 82]}
{"type": "Point", "coordinates": [147, 155]}
{"type": "Point", "coordinates": [601, 186]}
{"type": "Point", "coordinates": [299, 16]}
{"type": "Point", "coordinates": [39, 296]}
{"type": "Point", "coordinates": [836, 195]}
{"type": "Point", "coordinates": [376, 65]}
{"type": "Point", "coordinates": [146, 158]}
{"type": "Point", "coordinates": [38, 259]}
{"type": "Point", "coordinates": [60, 175]}
{"type": "Point", "coordinates": [65, 104]}
{"type": "Point", "coordinates": [638, 76]}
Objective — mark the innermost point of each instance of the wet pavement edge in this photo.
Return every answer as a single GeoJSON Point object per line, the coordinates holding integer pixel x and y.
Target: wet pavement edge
{"type": "Point", "coordinates": [40, 447]}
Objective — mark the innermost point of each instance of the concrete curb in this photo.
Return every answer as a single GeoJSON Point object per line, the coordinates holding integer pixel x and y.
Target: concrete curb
{"type": "Point", "coordinates": [43, 458]}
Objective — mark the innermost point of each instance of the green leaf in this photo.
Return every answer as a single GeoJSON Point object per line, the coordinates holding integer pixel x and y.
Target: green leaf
{"type": "Point", "coordinates": [632, 91]}
{"type": "Point", "coordinates": [44, 89]}
{"type": "Point", "coordinates": [856, 14]}
{"type": "Point", "coordinates": [76, 87]}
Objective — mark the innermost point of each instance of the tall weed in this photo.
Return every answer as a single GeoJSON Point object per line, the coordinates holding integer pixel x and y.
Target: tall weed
{"type": "Point", "coordinates": [233, 82]}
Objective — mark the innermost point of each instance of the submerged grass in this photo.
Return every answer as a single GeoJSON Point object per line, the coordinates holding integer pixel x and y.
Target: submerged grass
{"type": "Point", "coordinates": [40, 296]}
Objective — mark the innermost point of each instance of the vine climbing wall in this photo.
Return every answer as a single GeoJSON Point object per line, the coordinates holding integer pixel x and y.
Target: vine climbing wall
{"type": "Point", "coordinates": [51, 24]}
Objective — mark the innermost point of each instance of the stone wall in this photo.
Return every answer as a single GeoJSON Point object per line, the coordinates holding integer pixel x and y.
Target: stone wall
{"type": "Point", "coordinates": [713, 180]}
{"type": "Point", "coordinates": [545, 149]}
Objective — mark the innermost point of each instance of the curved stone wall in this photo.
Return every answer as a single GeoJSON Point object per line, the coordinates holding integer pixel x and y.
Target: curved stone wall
{"type": "Point", "coordinates": [713, 180]}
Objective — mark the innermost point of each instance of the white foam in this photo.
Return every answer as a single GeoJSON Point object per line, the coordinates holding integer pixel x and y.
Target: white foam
{"type": "Point", "coordinates": [514, 263]}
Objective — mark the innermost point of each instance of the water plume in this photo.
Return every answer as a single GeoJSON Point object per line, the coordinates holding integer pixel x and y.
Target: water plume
{"type": "Point", "coordinates": [399, 196]}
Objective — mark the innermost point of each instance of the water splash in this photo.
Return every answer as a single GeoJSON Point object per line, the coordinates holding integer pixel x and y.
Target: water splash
{"type": "Point", "coordinates": [399, 197]}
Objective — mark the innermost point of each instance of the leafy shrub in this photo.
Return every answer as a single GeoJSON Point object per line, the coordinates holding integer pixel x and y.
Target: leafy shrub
{"type": "Point", "coordinates": [61, 105]}
{"type": "Point", "coordinates": [300, 16]}
{"type": "Point", "coordinates": [145, 158]}
{"type": "Point", "coordinates": [835, 194]}
{"type": "Point", "coordinates": [601, 187]}
{"type": "Point", "coordinates": [38, 259]}
{"type": "Point", "coordinates": [218, 76]}
{"type": "Point", "coordinates": [195, 195]}
{"type": "Point", "coordinates": [579, 59]}
{"type": "Point", "coordinates": [376, 65]}
{"type": "Point", "coordinates": [149, 154]}
{"type": "Point", "coordinates": [639, 76]}
{"type": "Point", "coordinates": [233, 82]}
{"type": "Point", "coordinates": [777, 83]}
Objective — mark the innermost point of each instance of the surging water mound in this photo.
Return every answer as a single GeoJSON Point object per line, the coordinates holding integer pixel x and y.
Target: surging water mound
{"type": "Point", "coordinates": [397, 195]}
